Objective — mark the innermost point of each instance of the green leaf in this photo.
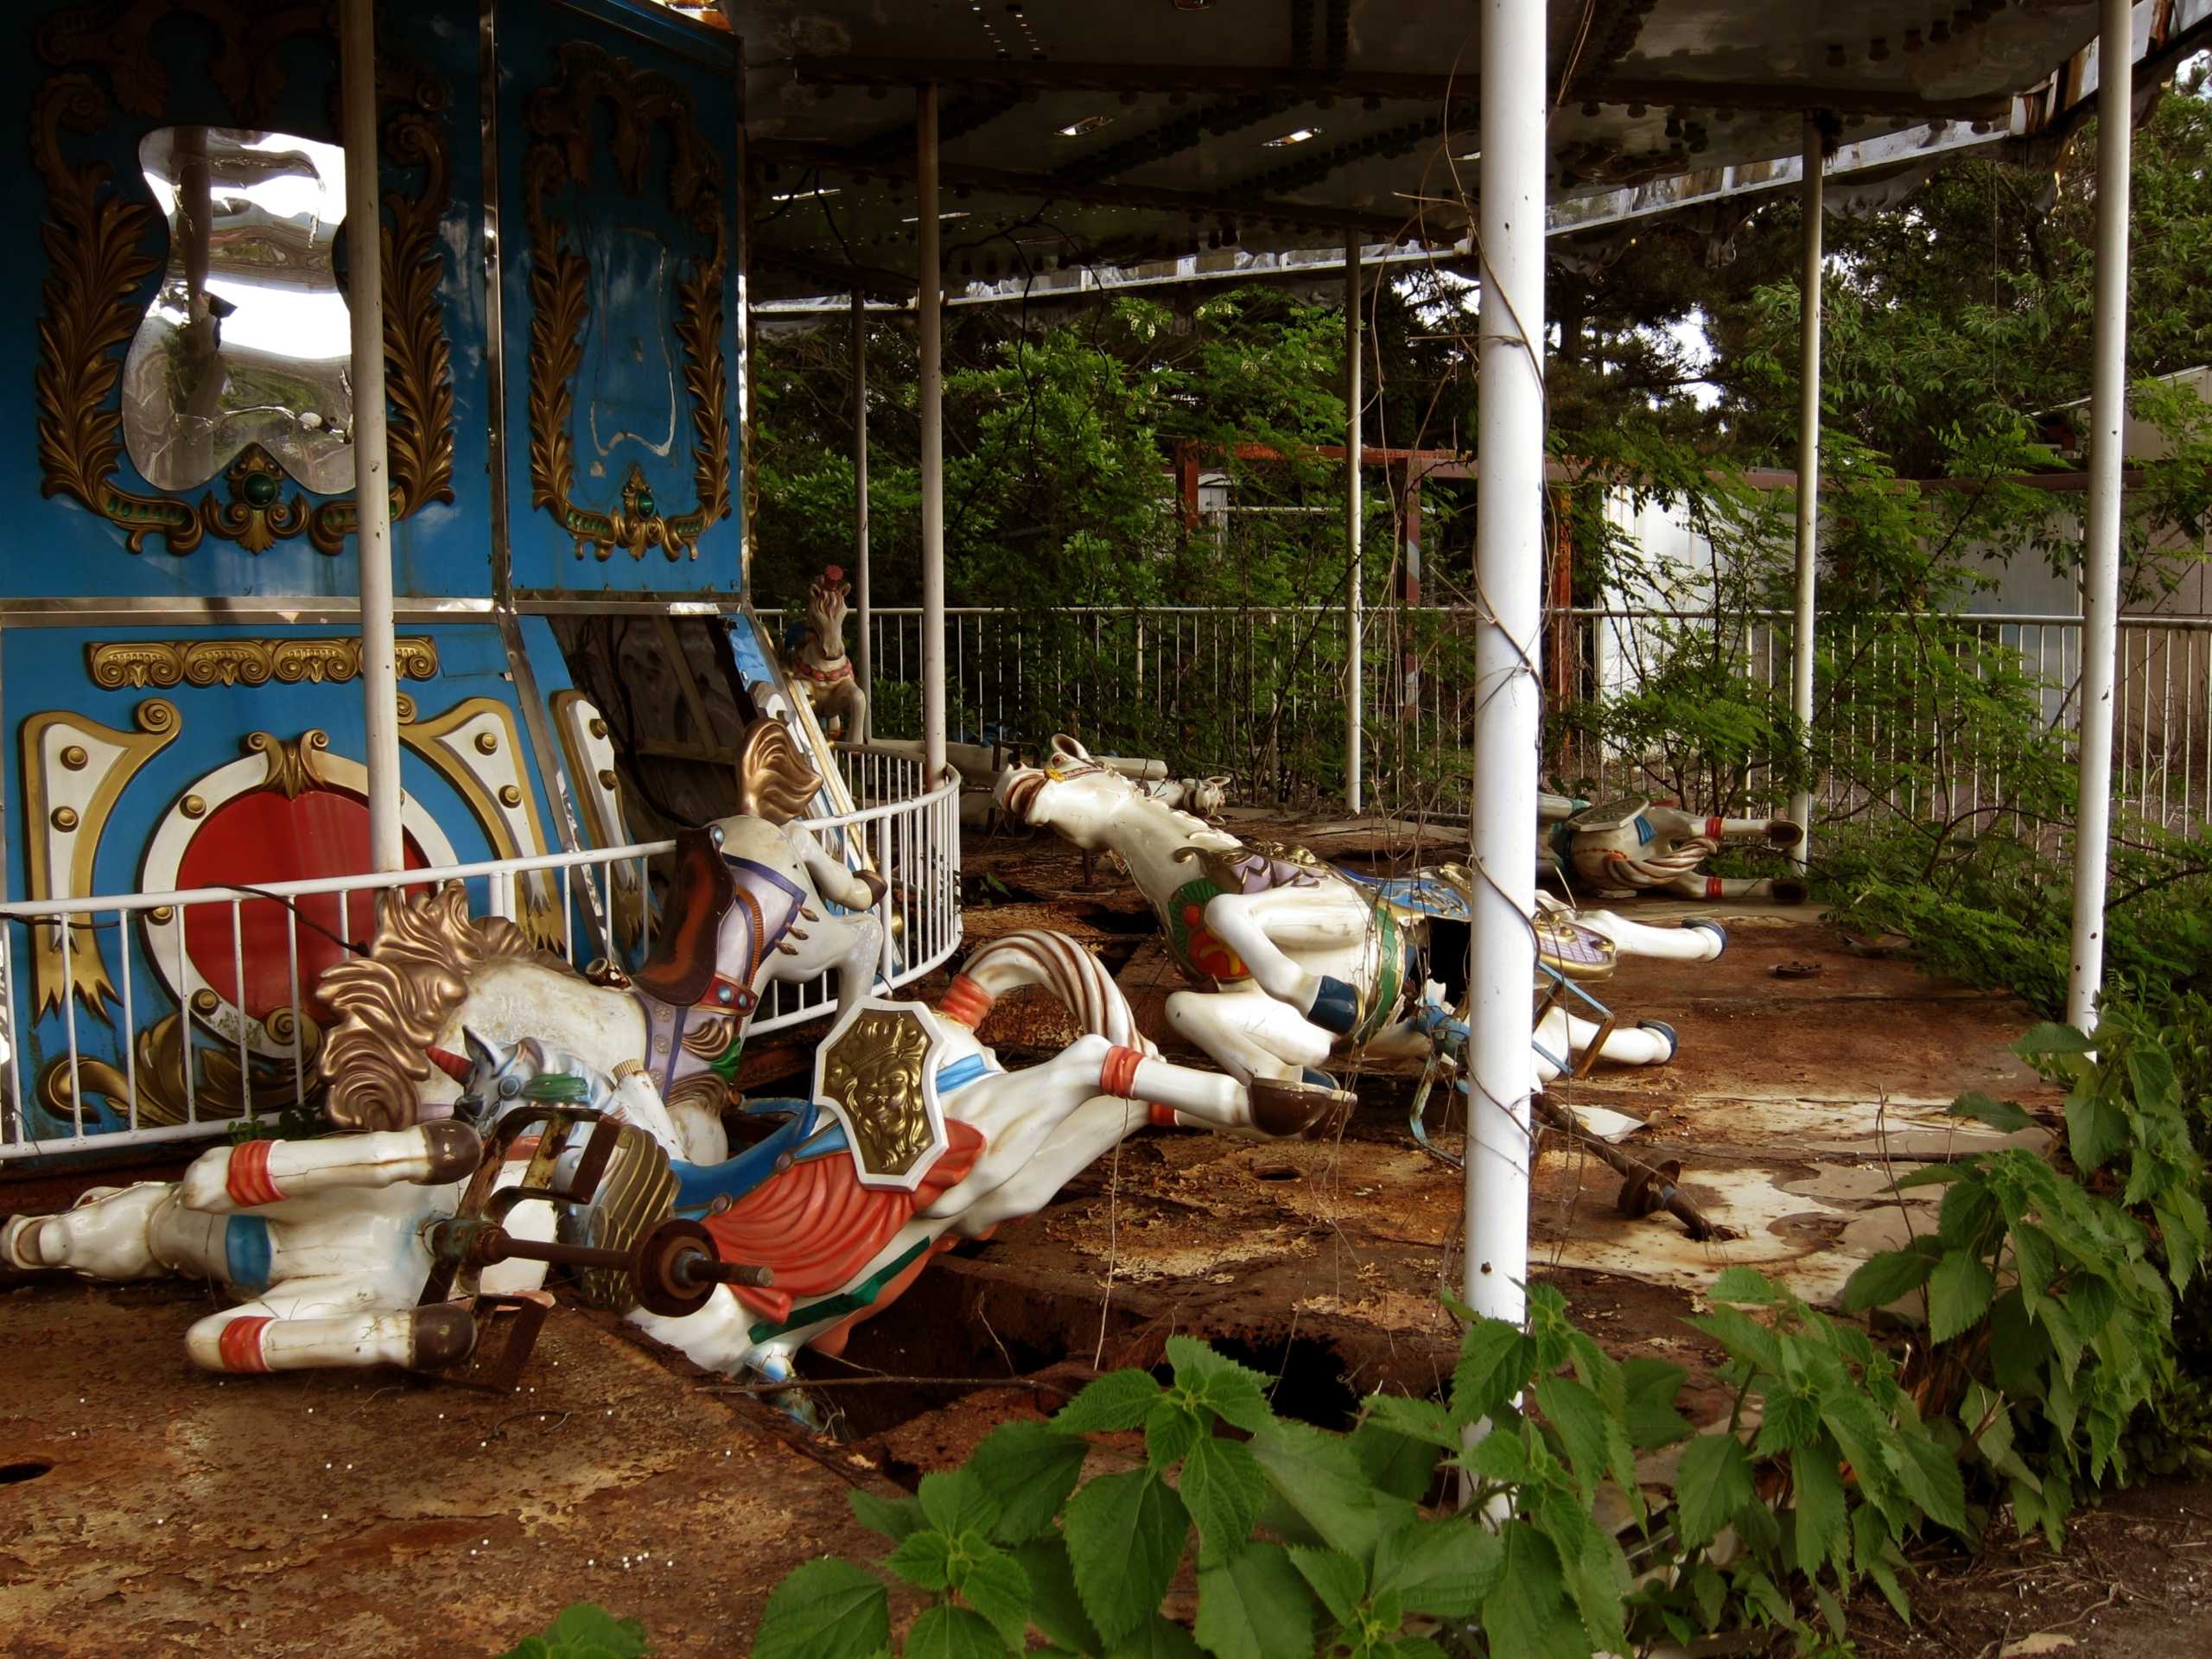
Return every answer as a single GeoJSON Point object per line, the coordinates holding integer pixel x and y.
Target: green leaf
{"type": "Point", "coordinates": [1652, 1387]}
{"type": "Point", "coordinates": [1884, 1278]}
{"type": "Point", "coordinates": [1443, 1568]}
{"type": "Point", "coordinates": [587, 1624]}
{"type": "Point", "coordinates": [1958, 1293]}
{"type": "Point", "coordinates": [531, 1647]}
{"type": "Point", "coordinates": [2095, 1129]}
{"type": "Point", "coordinates": [1788, 1421]}
{"type": "Point", "coordinates": [1054, 1603]}
{"type": "Point", "coordinates": [1930, 1477]}
{"type": "Point", "coordinates": [2051, 1038]}
{"type": "Point", "coordinates": [1319, 1479]}
{"type": "Point", "coordinates": [1256, 1606]}
{"type": "Point", "coordinates": [1336, 1577]}
{"type": "Point", "coordinates": [1526, 1613]}
{"type": "Point", "coordinates": [1395, 1464]}
{"type": "Point", "coordinates": [894, 1517]}
{"type": "Point", "coordinates": [1223, 1487]}
{"type": "Point", "coordinates": [1817, 1509]}
{"type": "Point", "coordinates": [1746, 1285]}
{"type": "Point", "coordinates": [1419, 1419]}
{"type": "Point", "coordinates": [995, 1587]}
{"type": "Point", "coordinates": [1711, 1483]}
{"type": "Point", "coordinates": [945, 1632]}
{"type": "Point", "coordinates": [2006, 1115]}
{"type": "Point", "coordinates": [1171, 1428]}
{"type": "Point", "coordinates": [825, 1609]}
{"type": "Point", "coordinates": [1156, 1638]}
{"type": "Point", "coordinates": [1495, 1362]}
{"type": "Point", "coordinates": [1116, 1401]}
{"type": "Point", "coordinates": [2150, 1077]}
{"type": "Point", "coordinates": [1233, 1393]}
{"type": "Point", "coordinates": [1125, 1534]}
{"type": "Point", "coordinates": [956, 1502]}
{"type": "Point", "coordinates": [1579, 1419]}
{"type": "Point", "coordinates": [924, 1559]}
{"type": "Point", "coordinates": [1028, 1468]}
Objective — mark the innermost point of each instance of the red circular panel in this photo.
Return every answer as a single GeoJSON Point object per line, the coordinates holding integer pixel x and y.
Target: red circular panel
{"type": "Point", "coordinates": [263, 837]}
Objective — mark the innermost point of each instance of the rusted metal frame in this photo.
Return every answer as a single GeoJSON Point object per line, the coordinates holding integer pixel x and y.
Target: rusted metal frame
{"type": "Point", "coordinates": [1377, 228]}
{"type": "Point", "coordinates": [872, 279]}
{"type": "Point", "coordinates": [1216, 79]}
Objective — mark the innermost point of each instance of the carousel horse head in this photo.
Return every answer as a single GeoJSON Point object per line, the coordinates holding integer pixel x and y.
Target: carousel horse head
{"type": "Point", "coordinates": [825, 611]}
{"type": "Point", "coordinates": [1074, 794]}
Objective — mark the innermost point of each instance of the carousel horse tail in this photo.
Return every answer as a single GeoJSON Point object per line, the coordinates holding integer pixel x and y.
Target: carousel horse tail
{"type": "Point", "coordinates": [1077, 979]}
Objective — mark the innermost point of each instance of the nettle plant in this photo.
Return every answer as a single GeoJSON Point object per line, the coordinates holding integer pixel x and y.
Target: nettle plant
{"type": "Point", "coordinates": [1401, 1538]}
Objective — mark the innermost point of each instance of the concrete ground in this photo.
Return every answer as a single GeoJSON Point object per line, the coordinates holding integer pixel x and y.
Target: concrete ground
{"type": "Point", "coordinates": [151, 1509]}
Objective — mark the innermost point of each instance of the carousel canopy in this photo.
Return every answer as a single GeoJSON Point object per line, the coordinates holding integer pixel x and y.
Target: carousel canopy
{"type": "Point", "coordinates": [1234, 130]}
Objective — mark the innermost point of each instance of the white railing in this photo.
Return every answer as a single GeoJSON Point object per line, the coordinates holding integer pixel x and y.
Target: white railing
{"type": "Point", "coordinates": [172, 1084]}
{"type": "Point", "coordinates": [1258, 693]}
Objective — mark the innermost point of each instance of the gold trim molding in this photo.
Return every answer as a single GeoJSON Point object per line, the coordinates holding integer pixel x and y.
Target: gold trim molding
{"type": "Point", "coordinates": [492, 780]}
{"type": "Point", "coordinates": [246, 662]}
{"type": "Point", "coordinates": [560, 155]}
{"type": "Point", "coordinates": [97, 262]}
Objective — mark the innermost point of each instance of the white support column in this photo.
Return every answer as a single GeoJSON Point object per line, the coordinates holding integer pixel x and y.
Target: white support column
{"type": "Point", "coordinates": [371, 464]}
{"type": "Point", "coordinates": [864, 659]}
{"type": "Point", "coordinates": [1803, 637]}
{"type": "Point", "coordinates": [2101, 535]}
{"type": "Point", "coordinates": [1508, 589]}
{"type": "Point", "coordinates": [929, 325]}
{"type": "Point", "coordinates": [1355, 677]}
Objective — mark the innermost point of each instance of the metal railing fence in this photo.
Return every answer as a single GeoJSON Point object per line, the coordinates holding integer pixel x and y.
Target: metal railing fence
{"type": "Point", "coordinates": [82, 1074]}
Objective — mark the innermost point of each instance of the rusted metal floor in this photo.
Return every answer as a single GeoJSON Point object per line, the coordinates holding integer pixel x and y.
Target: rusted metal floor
{"type": "Point", "coordinates": [153, 1510]}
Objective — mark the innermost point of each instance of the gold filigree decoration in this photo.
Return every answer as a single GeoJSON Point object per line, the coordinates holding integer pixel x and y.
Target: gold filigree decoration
{"type": "Point", "coordinates": [294, 768]}
{"type": "Point", "coordinates": [560, 117]}
{"type": "Point", "coordinates": [710, 1035]}
{"type": "Point", "coordinates": [218, 1092]}
{"type": "Point", "coordinates": [474, 773]}
{"type": "Point", "coordinates": [98, 263]}
{"type": "Point", "coordinates": [874, 1074]}
{"type": "Point", "coordinates": [60, 862]}
{"type": "Point", "coordinates": [396, 1000]}
{"type": "Point", "coordinates": [246, 662]}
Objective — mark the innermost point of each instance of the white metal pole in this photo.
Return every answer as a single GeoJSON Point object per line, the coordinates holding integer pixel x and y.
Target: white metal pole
{"type": "Point", "coordinates": [1509, 592]}
{"type": "Point", "coordinates": [865, 661]}
{"type": "Point", "coordinates": [2101, 535]}
{"type": "Point", "coordinates": [372, 465]}
{"type": "Point", "coordinates": [928, 324]}
{"type": "Point", "coordinates": [1803, 637]}
{"type": "Point", "coordinates": [1355, 679]}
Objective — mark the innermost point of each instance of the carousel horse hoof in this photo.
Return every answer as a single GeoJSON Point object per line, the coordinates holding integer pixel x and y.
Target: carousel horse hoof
{"type": "Point", "coordinates": [1719, 932]}
{"type": "Point", "coordinates": [1336, 1006]}
{"type": "Point", "coordinates": [1673, 1043]}
{"type": "Point", "coordinates": [453, 1150]}
{"type": "Point", "coordinates": [442, 1337]}
{"type": "Point", "coordinates": [1789, 890]}
{"type": "Point", "coordinates": [1319, 1079]}
{"type": "Point", "coordinates": [1282, 1108]}
{"type": "Point", "coordinates": [19, 1243]}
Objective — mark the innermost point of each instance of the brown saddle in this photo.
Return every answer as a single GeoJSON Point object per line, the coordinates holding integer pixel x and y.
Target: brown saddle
{"type": "Point", "coordinates": [681, 968]}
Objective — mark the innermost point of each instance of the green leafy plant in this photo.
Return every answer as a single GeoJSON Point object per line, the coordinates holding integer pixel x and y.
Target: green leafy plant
{"type": "Point", "coordinates": [585, 1631]}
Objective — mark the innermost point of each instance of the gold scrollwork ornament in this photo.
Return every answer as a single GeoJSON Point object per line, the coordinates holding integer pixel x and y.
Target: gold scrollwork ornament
{"type": "Point", "coordinates": [114, 665]}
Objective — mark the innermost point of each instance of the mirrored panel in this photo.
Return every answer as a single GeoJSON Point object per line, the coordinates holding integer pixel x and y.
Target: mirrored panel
{"type": "Point", "coordinates": [248, 340]}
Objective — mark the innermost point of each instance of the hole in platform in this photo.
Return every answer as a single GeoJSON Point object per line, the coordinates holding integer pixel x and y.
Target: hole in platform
{"type": "Point", "coordinates": [1276, 1172]}
{"type": "Point", "coordinates": [1308, 1378]}
{"type": "Point", "coordinates": [28, 1469]}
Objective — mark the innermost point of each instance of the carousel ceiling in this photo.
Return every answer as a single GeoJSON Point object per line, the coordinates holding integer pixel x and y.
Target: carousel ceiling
{"type": "Point", "coordinates": [1075, 132]}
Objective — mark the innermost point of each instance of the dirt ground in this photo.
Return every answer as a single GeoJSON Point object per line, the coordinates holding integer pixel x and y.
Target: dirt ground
{"type": "Point", "coordinates": [150, 1509]}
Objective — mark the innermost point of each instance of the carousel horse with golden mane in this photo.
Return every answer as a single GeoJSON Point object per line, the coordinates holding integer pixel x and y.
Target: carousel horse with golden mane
{"type": "Point", "coordinates": [816, 664]}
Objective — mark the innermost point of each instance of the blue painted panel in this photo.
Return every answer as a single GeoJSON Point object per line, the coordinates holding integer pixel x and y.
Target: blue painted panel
{"type": "Point", "coordinates": [53, 545]}
{"type": "Point", "coordinates": [631, 406]}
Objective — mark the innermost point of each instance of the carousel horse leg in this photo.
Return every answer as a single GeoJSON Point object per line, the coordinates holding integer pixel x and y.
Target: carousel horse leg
{"type": "Point", "coordinates": [1693, 940]}
{"type": "Point", "coordinates": [1651, 1043]}
{"type": "Point", "coordinates": [257, 1173]}
{"type": "Point", "coordinates": [295, 1330]}
{"type": "Point", "coordinates": [1263, 927]}
{"type": "Point", "coordinates": [1248, 1034]}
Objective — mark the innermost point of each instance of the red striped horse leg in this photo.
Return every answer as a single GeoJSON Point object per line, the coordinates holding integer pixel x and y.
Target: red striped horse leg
{"type": "Point", "coordinates": [260, 1173]}
{"type": "Point", "coordinates": [252, 1338]}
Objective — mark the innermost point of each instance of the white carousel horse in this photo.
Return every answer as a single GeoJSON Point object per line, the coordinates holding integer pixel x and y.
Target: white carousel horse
{"type": "Point", "coordinates": [1296, 961]}
{"type": "Point", "coordinates": [816, 664]}
{"type": "Point", "coordinates": [1631, 846]}
{"type": "Point", "coordinates": [916, 1134]}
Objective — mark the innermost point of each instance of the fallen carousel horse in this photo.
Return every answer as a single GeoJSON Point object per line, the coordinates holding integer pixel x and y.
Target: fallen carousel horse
{"type": "Point", "coordinates": [816, 663]}
{"type": "Point", "coordinates": [915, 1133]}
{"type": "Point", "coordinates": [1622, 847]}
{"type": "Point", "coordinates": [1297, 962]}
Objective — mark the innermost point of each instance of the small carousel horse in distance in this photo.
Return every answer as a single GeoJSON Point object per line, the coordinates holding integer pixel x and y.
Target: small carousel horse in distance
{"type": "Point", "coordinates": [1628, 846]}
{"type": "Point", "coordinates": [815, 660]}
{"type": "Point", "coordinates": [1295, 961]}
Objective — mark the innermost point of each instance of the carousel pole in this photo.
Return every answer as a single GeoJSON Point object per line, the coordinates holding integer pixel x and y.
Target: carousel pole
{"type": "Point", "coordinates": [2100, 535]}
{"type": "Point", "coordinates": [1508, 709]}
{"type": "Point", "coordinates": [864, 662]}
{"type": "Point", "coordinates": [1803, 637]}
{"type": "Point", "coordinates": [1355, 679]}
{"type": "Point", "coordinates": [372, 462]}
{"type": "Point", "coordinates": [929, 323]}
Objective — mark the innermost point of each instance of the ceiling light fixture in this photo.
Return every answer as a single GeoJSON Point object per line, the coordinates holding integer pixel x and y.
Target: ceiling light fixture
{"type": "Point", "coordinates": [801, 195]}
{"type": "Point", "coordinates": [1297, 137]}
{"type": "Point", "coordinates": [1089, 123]}
{"type": "Point", "coordinates": [917, 218]}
